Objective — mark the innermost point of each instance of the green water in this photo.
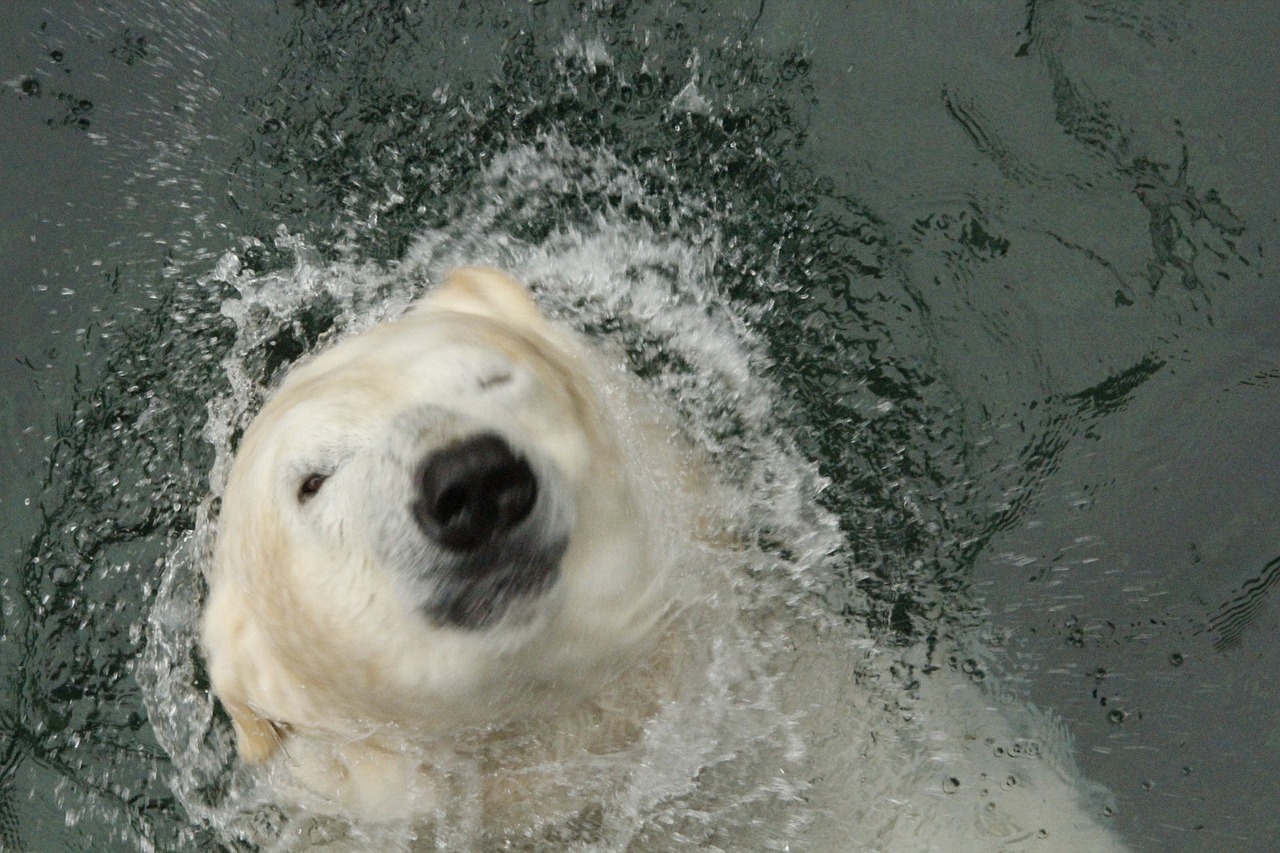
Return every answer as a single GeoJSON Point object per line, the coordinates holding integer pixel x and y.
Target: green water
{"type": "Point", "coordinates": [1010, 261]}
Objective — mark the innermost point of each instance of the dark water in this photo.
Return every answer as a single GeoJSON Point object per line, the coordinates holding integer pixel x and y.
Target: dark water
{"type": "Point", "coordinates": [1010, 262]}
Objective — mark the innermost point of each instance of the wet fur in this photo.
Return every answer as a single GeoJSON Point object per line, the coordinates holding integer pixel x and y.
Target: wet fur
{"type": "Point", "coordinates": [315, 650]}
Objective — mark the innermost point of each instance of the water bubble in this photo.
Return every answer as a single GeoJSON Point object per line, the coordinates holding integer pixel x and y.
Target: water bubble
{"type": "Point", "coordinates": [1176, 659]}
{"type": "Point", "coordinates": [973, 669]}
{"type": "Point", "coordinates": [645, 84]}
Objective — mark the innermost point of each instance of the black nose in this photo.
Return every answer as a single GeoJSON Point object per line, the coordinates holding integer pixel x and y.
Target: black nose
{"type": "Point", "coordinates": [472, 492]}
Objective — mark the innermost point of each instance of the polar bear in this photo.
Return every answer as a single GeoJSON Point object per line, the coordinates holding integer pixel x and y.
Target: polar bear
{"type": "Point", "coordinates": [462, 560]}
{"type": "Point", "coordinates": [432, 528]}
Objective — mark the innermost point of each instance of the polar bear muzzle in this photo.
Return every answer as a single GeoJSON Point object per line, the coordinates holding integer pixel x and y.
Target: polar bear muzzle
{"type": "Point", "coordinates": [473, 492]}
{"type": "Point", "coordinates": [498, 537]}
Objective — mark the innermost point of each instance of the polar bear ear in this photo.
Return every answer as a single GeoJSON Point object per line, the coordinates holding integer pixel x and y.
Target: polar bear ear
{"type": "Point", "coordinates": [257, 738]}
{"type": "Point", "coordinates": [483, 291]}
{"type": "Point", "coordinates": [232, 652]}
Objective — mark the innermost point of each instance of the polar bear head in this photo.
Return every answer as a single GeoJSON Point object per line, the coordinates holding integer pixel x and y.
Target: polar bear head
{"type": "Point", "coordinates": [430, 525]}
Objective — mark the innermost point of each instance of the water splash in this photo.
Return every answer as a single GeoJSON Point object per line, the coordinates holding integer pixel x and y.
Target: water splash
{"type": "Point", "coordinates": [643, 296]}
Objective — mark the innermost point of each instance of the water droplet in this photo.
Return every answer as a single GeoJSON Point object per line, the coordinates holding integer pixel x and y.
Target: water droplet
{"type": "Point", "coordinates": [950, 785]}
{"type": "Point", "coordinates": [1176, 659]}
{"type": "Point", "coordinates": [1117, 715]}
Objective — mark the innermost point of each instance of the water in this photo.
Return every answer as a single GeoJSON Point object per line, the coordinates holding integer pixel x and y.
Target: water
{"type": "Point", "coordinates": [992, 282]}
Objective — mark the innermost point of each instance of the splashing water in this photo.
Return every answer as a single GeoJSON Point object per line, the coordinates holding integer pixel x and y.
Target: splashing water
{"type": "Point", "coordinates": [700, 271]}
{"type": "Point", "coordinates": [727, 761]}
{"type": "Point", "coordinates": [646, 297]}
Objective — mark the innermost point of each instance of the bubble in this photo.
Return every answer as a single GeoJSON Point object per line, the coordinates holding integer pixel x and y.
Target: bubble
{"type": "Point", "coordinates": [973, 669]}
{"type": "Point", "coordinates": [1176, 659]}
{"type": "Point", "coordinates": [1117, 715]}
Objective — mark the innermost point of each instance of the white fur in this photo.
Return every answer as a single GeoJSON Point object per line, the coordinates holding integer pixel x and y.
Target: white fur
{"type": "Point", "coordinates": [312, 630]}
{"type": "Point", "coordinates": [361, 707]}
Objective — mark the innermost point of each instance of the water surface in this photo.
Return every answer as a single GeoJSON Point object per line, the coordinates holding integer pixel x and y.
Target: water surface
{"type": "Point", "coordinates": [1009, 264]}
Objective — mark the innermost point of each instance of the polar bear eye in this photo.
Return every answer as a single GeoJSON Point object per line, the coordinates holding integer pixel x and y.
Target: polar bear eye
{"type": "Point", "coordinates": [310, 487]}
{"type": "Point", "coordinates": [495, 379]}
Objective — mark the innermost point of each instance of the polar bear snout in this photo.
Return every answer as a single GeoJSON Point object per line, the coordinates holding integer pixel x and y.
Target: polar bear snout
{"type": "Point", "coordinates": [472, 492]}
{"type": "Point", "coordinates": [488, 524]}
